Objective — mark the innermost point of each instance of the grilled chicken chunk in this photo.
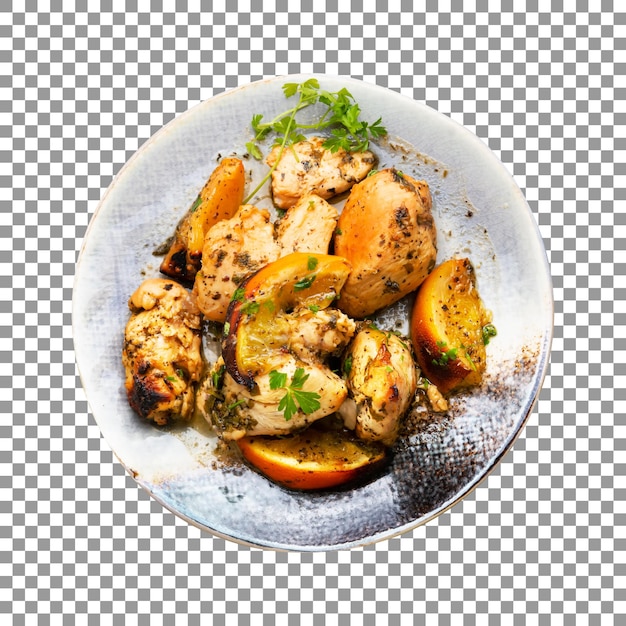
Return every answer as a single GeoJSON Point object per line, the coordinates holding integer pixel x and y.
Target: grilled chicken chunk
{"type": "Point", "coordinates": [233, 249]}
{"type": "Point", "coordinates": [238, 247]}
{"type": "Point", "coordinates": [382, 380]}
{"type": "Point", "coordinates": [236, 411]}
{"type": "Point", "coordinates": [308, 226]}
{"type": "Point", "coordinates": [387, 232]}
{"type": "Point", "coordinates": [307, 167]}
{"type": "Point", "coordinates": [162, 351]}
{"type": "Point", "coordinates": [320, 333]}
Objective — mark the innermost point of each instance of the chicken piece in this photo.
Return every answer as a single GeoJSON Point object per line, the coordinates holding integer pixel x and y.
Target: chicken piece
{"type": "Point", "coordinates": [236, 411]}
{"type": "Point", "coordinates": [307, 167]}
{"type": "Point", "coordinates": [238, 247]}
{"type": "Point", "coordinates": [162, 351]}
{"type": "Point", "coordinates": [308, 226]}
{"type": "Point", "coordinates": [387, 233]}
{"type": "Point", "coordinates": [316, 333]}
{"type": "Point", "coordinates": [382, 380]}
{"type": "Point", "coordinates": [233, 249]}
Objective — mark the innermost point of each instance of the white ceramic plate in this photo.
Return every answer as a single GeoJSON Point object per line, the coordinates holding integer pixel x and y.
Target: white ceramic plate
{"type": "Point", "coordinates": [479, 212]}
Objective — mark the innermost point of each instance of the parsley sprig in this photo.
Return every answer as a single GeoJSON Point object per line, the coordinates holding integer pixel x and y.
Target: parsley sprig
{"type": "Point", "coordinates": [446, 354]}
{"type": "Point", "coordinates": [342, 116]}
{"type": "Point", "coordinates": [307, 401]}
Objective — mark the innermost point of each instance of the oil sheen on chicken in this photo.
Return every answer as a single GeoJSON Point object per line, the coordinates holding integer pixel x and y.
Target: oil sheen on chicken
{"type": "Point", "coordinates": [307, 167]}
{"type": "Point", "coordinates": [162, 351]}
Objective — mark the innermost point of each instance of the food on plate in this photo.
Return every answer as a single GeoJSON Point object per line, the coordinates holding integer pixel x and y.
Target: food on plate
{"type": "Point", "coordinates": [219, 199]}
{"type": "Point", "coordinates": [312, 392]}
{"type": "Point", "coordinates": [235, 248]}
{"type": "Point", "coordinates": [342, 115]}
{"type": "Point", "coordinates": [161, 352]}
{"type": "Point", "coordinates": [283, 401]}
{"type": "Point", "coordinates": [387, 232]}
{"type": "Point", "coordinates": [382, 380]}
{"type": "Point", "coordinates": [447, 327]}
{"type": "Point", "coordinates": [308, 167]}
{"type": "Point", "coordinates": [318, 458]}
{"type": "Point", "coordinates": [232, 250]}
{"type": "Point", "coordinates": [258, 324]}
{"type": "Point", "coordinates": [308, 226]}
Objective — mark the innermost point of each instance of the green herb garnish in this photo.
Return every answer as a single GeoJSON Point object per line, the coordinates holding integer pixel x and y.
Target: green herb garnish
{"type": "Point", "coordinates": [446, 355]}
{"type": "Point", "coordinates": [294, 398]}
{"type": "Point", "coordinates": [251, 307]}
{"type": "Point", "coordinates": [304, 283]}
{"type": "Point", "coordinates": [311, 263]}
{"type": "Point", "coordinates": [489, 331]}
{"type": "Point", "coordinates": [217, 377]}
{"type": "Point", "coordinates": [230, 407]}
{"type": "Point", "coordinates": [239, 295]}
{"type": "Point", "coordinates": [196, 204]}
{"type": "Point", "coordinates": [342, 115]}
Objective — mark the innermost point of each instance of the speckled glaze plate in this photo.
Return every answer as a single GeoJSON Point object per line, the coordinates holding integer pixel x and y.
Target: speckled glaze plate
{"type": "Point", "coordinates": [479, 212]}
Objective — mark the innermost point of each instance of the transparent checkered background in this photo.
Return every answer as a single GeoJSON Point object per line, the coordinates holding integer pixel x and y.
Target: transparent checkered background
{"type": "Point", "coordinates": [84, 84]}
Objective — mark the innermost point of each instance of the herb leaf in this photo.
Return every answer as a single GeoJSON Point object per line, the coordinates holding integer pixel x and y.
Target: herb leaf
{"type": "Point", "coordinates": [307, 401]}
{"type": "Point", "coordinates": [348, 131]}
{"type": "Point", "coordinates": [446, 354]}
{"type": "Point", "coordinates": [304, 283]}
{"type": "Point", "coordinates": [277, 379]}
{"type": "Point", "coordinates": [489, 331]}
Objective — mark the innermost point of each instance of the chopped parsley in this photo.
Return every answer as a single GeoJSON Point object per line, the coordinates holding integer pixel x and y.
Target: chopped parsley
{"type": "Point", "coordinates": [196, 204]}
{"type": "Point", "coordinates": [489, 331]}
{"type": "Point", "coordinates": [239, 295]}
{"type": "Point", "coordinates": [295, 398]}
{"type": "Point", "coordinates": [250, 308]}
{"type": "Point", "coordinates": [342, 116]}
{"type": "Point", "coordinates": [304, 283]}
{"type": "Point", "coordinates": [446, 355]}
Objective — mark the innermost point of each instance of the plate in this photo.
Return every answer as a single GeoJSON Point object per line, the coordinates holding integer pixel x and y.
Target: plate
{"type": "Point", "coordinates": [479, 212]}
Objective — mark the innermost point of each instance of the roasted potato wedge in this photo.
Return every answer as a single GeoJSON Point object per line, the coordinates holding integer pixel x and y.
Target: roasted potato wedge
{"type": "Point", "coordinates": [254, 332]}
{"type": "Point", "coordinates": [387, 233]}
{"type": "Point", "coordinates": [447, 325]}
{"type": "Point", "coordinates": [219, 199]}
{"type": "Point", "coordinates": [316, 458]}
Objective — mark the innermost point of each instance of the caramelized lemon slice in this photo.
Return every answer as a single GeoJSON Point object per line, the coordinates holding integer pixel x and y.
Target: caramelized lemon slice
{"type": "Point", "coordinates": [447, 326]}
{"type": "Point", "coordinates": [254, 330]}
{"type": "Point", "coordinates": [313, 459]}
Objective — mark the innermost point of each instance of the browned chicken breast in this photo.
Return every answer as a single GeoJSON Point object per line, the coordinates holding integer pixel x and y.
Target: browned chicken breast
{"type": "Point", "coordinates": [307, 167]}
{"type": "Point", "coordinates": [162, 351]}
{"type": "Point", "coordinates": [308, 226]}
{"type": "Point", "coordinates": [318, 333]}
{"type": "Point", "coordinates": [233, 249]}
{"type": "Point", "coordinates": [237, 247]}
{"type": "Point", "coordinates": [235, 411]}
{"type": "Point", "coordinates": [382, 380]}
{"type": "Point", "coordinates": [387, 232]}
